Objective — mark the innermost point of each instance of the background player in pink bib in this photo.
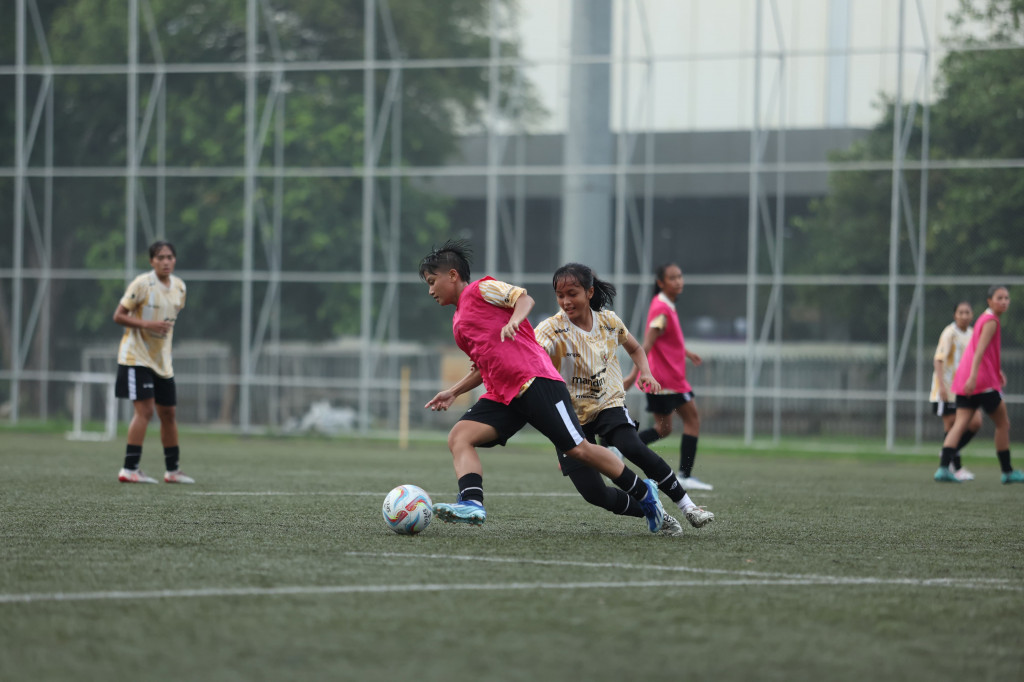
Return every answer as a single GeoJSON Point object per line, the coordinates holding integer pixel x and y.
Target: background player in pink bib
{"type": "Point", "coordinates": [666, 352]}
{"type": "Point", "coordinates": [978, 383]}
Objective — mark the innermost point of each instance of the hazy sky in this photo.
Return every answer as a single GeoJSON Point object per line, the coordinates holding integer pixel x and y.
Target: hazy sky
{"type": "Point", "coordinates": [717, 90]}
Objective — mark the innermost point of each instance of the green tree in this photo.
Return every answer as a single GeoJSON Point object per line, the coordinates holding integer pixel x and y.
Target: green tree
{"type": "Point", "coordinates": [323, 114]}
{"type": "Point", "coordinates": [975, 216]}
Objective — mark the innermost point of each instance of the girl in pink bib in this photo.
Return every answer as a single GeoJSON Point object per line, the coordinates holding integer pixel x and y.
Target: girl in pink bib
{"type": "Point", "coordinates": [978, 383]}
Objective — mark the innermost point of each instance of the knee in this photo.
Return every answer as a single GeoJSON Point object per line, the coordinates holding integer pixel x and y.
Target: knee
{"type": "Point", "coordinates": [167, 413]}
{"type": "Point", "coordinates": [581, 452]}
{"type": "Point", "coordinates": [144, 411]}
{"type": "Point", "coordinates": [459, 439]}
{"type": "Point", "coordinates": [664, 428]}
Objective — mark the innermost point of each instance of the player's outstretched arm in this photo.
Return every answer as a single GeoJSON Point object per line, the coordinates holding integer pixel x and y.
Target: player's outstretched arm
{"type": "Point", "coordinates": [443, 400]}
{"type": "Point", "coordinates": [641, 369]}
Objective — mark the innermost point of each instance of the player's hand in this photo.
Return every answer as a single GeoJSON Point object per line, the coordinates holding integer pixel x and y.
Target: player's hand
{"type": "Point", "coordinates": [162, 327]}
{"type": "Point", "coordinates": [1002, 378]}
{"type": "Point", "coordinates": [509, 330]}
{"type": "Point", "coordinates": [648, 384]}
{"type": "Point", "coordinates": [441, 402]}
{"type": "Point", "coordinates": [944, 395]}
{"type": "Point", "coordinates": [970, 384]}
{"type": "Point", "coordinates": [694, 358]}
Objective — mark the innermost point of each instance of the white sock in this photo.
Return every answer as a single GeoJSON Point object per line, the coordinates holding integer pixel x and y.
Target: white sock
{"type": "Point", "coordinates": [686, 502]}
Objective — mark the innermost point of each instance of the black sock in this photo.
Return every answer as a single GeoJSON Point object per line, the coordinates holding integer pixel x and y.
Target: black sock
{"type": "Point", "coordinates": [687, 454]}
{"type": "Point", "coordinates": [132, 455]}
{"type": "Point", "coordinates": [171, 456]}
{"type": "Point", "coordinates": [471, 487]}
{"type": "Point", "coordinates": [670, 486]}
{"type": "Point", "coordinates": [632, 484]}
{"type": "Point", "coordinates": [947, 456]}
{"type": "Point", "coordinates": [964, 440]}
{"type": "Point", "coordinates": [956, 458]}
{"type": "Point", "coordinates": [648, 436]}
{"type": "Point", "coordinates": [1004, 461]}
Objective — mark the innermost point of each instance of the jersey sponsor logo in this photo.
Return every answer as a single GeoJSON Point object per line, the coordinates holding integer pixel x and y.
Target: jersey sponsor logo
{"type": "Point", "coordinates": [561, 331]}
{"type": "Point", "coordinates": [595, 381]}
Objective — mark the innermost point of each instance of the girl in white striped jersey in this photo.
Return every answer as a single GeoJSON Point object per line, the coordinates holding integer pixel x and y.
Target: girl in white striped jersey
{"type": "Point", "coordinates": [582, 340]}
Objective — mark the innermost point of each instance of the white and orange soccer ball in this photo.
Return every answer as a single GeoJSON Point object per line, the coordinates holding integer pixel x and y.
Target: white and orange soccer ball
{"type": "Point", "coordinates": [407, 509]}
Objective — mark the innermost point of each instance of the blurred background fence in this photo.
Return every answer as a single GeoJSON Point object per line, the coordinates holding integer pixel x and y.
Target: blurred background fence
{"type": "Point", "coordinates": [831, 175]}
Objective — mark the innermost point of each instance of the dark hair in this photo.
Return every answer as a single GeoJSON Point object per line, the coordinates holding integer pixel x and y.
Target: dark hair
{"type": "Point", "coordinates": [960, 303]}
{"type": "Point", "coordinates": [454, 254]}
{"type": "Point", "coordinates": [994, 288]}
{"type": "Point", "coordinates": [659, 273]}
{"type": "Point", "coordinates": [604, 292]}
{"type": "Point", "coordinates": [155, 247]}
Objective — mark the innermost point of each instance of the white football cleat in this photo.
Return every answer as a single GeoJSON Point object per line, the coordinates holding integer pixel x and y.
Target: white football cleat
{"type": "Point", "coordinates": [671, 526]}
{"type": "Point", "coordinates": [962, 474]}
{"type": "Point", "coordinates": [698, 516]}
{"type": "Point", "coordinates": [177, 477]}
{"type": "Point", "coordinates": [693, 483]}
{"type": "Point", "coordinates": [134, 476]}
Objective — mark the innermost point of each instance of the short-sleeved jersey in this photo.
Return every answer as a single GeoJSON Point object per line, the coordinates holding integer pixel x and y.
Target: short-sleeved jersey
{"type": "Point", "coordinates": [951, 346]}
{"type": "Point", "coordinates": [587, 360]}
{"type": "Point", "coordinates": [989, 377]}
{"type": "Point", "coordinates": [667, 357]}
{"type": "Point", "coordinates": [148, 299]}
{"type": "Point", "coordinates": [506, 367]}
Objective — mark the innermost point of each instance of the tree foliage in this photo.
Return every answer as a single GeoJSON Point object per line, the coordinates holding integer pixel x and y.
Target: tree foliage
{"type": "Point", "coordinates": [322, 113]}
{"type": "Point", "coordinates": [975, 215]}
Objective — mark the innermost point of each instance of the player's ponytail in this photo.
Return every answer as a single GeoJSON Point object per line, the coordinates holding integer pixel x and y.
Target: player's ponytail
{"type": "Point", "coordinates": [659, 275]}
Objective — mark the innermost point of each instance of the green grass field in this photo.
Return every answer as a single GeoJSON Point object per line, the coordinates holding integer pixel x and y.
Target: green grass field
{"type": "Point", "coordinates": [277, 565]}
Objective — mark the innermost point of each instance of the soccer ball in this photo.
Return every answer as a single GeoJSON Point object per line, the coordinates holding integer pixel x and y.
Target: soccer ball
{"type": "Point", "coordinates": [408, 509]}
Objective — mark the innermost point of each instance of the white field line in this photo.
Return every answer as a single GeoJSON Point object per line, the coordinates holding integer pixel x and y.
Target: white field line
{"type": "Point", "coordinates": [771, 578]}
{"type": "Point", "coordinates": [748, 579]}
{"type": "Point", "coordinates": [271, 493]}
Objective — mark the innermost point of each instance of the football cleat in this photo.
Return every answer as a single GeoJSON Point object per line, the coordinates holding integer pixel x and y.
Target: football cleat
{"type": "Point", "coordinates": [468, 511]}
{"type": "Point", "coordinates": [1015, 476]}
{"type": "Point", "coordinates": [698, 516]}
{"type": "Point", "coordinates": [944, 475]}
{"type": "Point", "coordinates": [962, 474]}
{"type": "Point", "coordinates": [671, 526]}
{"type": "Point", "coordinates": [651, 505]}
{"type": "Point", "coordinates": [177, 477]}
{"type": "Point", "coordinates": [693, 483]}
{"type": "Point", "coordinates": [134, 476]}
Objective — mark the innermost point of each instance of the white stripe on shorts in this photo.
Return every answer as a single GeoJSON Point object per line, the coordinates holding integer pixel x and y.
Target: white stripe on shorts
{"type": "Point", "coordinates": [133, 393]}
{"type": "Point", "coordinates": [577, 438]}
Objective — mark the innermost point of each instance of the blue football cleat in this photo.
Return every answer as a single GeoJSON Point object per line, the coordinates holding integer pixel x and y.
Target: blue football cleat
{"type": "Point", "coordinates": [651, 505]}
{"type": "Point", "coordinates": [468, 511]}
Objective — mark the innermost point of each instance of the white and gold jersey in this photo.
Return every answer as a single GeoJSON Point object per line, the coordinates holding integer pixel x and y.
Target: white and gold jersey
{"type": "Point", "coordinates": [952, 343]}
{"type": "Point", "coordinates": [148, 299]}
{"type": "Point", "coordinates": [587, 360]}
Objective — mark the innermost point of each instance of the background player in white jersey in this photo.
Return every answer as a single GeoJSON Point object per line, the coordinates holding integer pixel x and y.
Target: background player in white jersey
{"type": "Point", "coordinates": [582, 341]}
{"type": "Point", "coordinates": [952, 342]}
{"type": "Point", "coordinates": [148, 311]}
